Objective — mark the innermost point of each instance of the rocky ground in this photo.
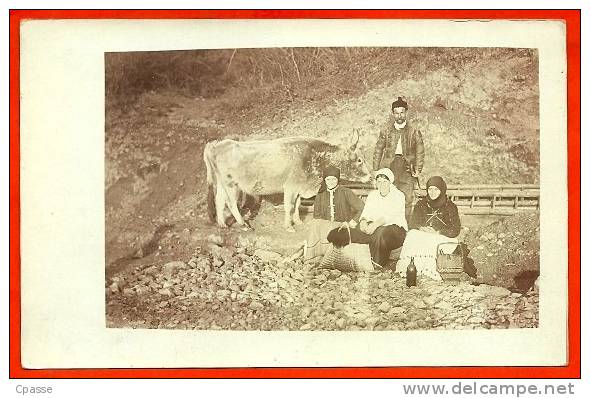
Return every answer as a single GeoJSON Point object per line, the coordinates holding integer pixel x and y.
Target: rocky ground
{"type": "Point", "coordinates": [248, 288]}
{"type": "Point", "coordinates": [506, 252]}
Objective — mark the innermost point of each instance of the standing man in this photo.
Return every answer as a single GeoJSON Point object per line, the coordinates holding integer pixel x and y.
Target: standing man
{"type": "Point", "coordinates": [400, 147]}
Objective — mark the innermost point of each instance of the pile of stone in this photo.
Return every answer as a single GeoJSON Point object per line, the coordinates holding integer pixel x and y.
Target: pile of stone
{"type": "Point", "coordinates": [506, 249]}
{"type": "Point", "coordinates": [248, 288]}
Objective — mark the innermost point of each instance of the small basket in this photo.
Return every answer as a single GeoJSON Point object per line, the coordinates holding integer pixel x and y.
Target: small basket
{"type": "Point", "coordinates": [350, 257]}
{"type": "Point", "coordinates": [335, 258]}
{"type": "Point", "coordinates": [449, 266]}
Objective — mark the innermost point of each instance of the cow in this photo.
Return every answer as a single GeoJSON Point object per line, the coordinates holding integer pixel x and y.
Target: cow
{"type": "Point", "coordinates": [292, 166]}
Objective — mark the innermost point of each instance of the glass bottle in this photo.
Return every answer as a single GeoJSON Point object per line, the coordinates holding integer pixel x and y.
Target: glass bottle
{"type": "Point", "coordinates": [411, 274]}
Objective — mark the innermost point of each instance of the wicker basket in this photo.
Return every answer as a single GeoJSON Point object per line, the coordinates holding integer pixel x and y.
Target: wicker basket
{"type": "Point", "coordinates": [449, 266]}
{"type": "Point", "coordinates": [351, 257]}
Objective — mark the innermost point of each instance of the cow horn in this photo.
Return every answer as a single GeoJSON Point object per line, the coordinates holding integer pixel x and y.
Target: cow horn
{"type": "Point", "coordinates": [354, 140]}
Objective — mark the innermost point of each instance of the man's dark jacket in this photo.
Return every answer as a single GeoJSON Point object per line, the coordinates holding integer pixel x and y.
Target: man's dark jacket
{"type": "Point", "coordinates": [412, 146]}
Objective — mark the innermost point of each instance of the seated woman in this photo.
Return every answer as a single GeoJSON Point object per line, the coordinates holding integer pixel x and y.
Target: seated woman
{"type": "Point", "coordinates": [333, 207]}
{"type": "Point", "coordinates": [435, 220]}
{"type": "Point", "coordinates": [383, 222]}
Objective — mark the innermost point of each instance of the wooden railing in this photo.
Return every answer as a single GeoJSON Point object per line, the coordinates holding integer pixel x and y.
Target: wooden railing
{"type": "Point", "coordinates": [483, 199]}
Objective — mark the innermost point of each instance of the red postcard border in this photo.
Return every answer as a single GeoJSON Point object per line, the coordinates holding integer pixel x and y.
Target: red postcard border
{"type": "Point", "coordinates": [572, 18]}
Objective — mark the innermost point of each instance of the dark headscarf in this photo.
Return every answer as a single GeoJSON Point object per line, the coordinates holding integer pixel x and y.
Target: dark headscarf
{"type": "Point", "coordinates": [330, 171]}
{"type": "Point", "coordinates": [440, 184]}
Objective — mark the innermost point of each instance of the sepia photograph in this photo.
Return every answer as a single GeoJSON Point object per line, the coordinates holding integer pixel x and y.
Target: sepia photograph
{"type": "Point", "coordinates": [322, 188]}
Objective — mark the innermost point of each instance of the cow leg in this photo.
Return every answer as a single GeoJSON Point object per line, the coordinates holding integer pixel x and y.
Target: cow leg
{"type": "Point", "coordinates": [288, 200]}
{"type": "Point", "coordinates": [232, 203]}
{"type": "Point", "coordinates": [296, 218]}
{"type": "Point", "coordinates": [220, 200]}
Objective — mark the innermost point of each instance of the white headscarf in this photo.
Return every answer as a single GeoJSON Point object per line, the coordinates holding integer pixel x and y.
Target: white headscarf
{"type": "Point", "coordinates": [387, 173]}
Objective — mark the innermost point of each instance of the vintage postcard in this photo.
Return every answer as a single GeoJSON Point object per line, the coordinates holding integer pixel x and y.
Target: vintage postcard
{"type": "Point", "coordinates": [293, 193]}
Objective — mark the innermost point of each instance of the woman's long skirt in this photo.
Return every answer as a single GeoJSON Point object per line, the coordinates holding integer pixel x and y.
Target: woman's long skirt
{"type": "Point", "coordinates": [317, 245]}
{"type": "Point", "coordinates": [422, 246]}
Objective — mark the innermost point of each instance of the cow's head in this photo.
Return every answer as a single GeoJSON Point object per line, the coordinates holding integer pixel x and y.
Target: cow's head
{"type": "Point", "coordinates": [353, 166]}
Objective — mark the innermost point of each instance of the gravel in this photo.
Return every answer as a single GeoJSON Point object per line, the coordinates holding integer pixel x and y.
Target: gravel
{"type": "Point", "coordinates": [506, 252]}
{"type": "Point", "coordinates": [231, 290]}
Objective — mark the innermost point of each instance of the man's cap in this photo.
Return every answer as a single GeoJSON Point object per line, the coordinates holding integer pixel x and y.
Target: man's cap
{"type": "Point", "coordinates": [399, 103]}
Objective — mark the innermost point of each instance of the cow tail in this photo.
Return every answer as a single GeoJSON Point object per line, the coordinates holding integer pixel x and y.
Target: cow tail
{"type": "Point", "coordinates": [211, 181]}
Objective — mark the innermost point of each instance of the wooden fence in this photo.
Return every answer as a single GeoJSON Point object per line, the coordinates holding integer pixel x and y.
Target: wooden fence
{"type": "Point", "coordinates": [498, 199]}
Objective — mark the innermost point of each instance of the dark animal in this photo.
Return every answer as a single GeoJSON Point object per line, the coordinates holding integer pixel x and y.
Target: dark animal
{"type": "Point", "coordinates": [524, 281]}
{"type": "Point", "coordinates": [292, 166]}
